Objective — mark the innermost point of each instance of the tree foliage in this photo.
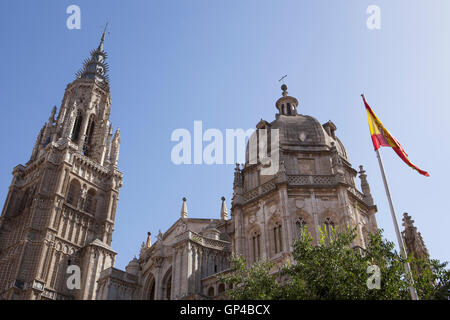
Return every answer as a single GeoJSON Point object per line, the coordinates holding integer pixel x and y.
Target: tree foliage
{"type": "Point", "coordinates": [335, 269]}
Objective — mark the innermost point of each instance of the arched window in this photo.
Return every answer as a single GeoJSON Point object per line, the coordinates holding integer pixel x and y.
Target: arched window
{"type": "Point", "coordinates": [87, 148]}
{"type": "Point", "coordinates": [221, 288]}
{"type": "Point", "coordinates": [31, 196]}
{"type": "Point", "coordinates": [23, 203]}
{"type": "Point", "coordinates": [289, 109]}
{"type": "Point", "coordinates": [278, 245]}
{"type": "Point", "coordinates": [152, 292]}
{"type": "Point", "coordinates": [77, 127]}
{"type": "Point", "coordinates": [365, 237]}
{"type": "Point", "coordinates": [169, 288]}
{"type": "Point", "coordinates": [211, 292]}
{"type": "Point", "coordinates": [256, 245]}
{"type": "Point", "coordinates": [73, 193]}
{"type": "Point", "coordinates": [300, 224]}
{"type": "Point", "coordinates": [167, 285]}
{"type": "Point", "coordinates": [113, 208]}
{"type": "Point", "coordinates": [328, 229]}
{"type": "Point", "coordinates": [151, 289]}
{"type": "Point", "coordinates": [90, 201]}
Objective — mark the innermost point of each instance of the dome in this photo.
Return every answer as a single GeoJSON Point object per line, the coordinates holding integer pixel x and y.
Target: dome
{"type": "Point", "coordinates": [133, 266]}
{"type": "Point", "coordinates": [307, 132]}
{"type": "Point", "coordinates": [298, 132]}
{"type": "Point", "coordinates": [303, 133]}
{"type": "Point", "coordinates": [211, 231]}
{"type": "Point", "coordinates": [134, 262]}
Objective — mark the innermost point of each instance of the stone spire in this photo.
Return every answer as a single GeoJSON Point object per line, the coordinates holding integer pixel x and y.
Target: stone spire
{"type": "Point", "coordinates": [184, 211]}
{"type": "Point", "coordinates": [237, 186]}
{"type": "Point", "coordinates": [51, 119]}
{"type": "Point", "coordinates": [413, 239]}
{"type": "Point", "coordinates": [100, 46]}
{"type": "Point", "coordinates": [95, 67]}
{"type": "Point", "coordinates": [237, 176]}
{"type": "Point", "coordinates": [223, 210]}
{"type": "Point", "coordinates": [35, 151]}
{"type": "Point", "coordinates": [160, 236]}
{"type": "Point", "coordinates": [365, 186]}
{"type": "Point", "coordinates": [281, 174]}
{"type": "Point", "coordinates": [148, 244]}
{"type": "Point", "coordinates": [336, 164]}
{"type": "Point", "coordinates": [115, 147]}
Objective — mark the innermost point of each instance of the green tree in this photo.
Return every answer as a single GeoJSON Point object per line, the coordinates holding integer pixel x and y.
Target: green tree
{"type": "Point", "coordinates": [256, 282]}
{"type": "Point", "coordinates": [432, 279]}
{"type": "Point", "coordinates": [336, 270]}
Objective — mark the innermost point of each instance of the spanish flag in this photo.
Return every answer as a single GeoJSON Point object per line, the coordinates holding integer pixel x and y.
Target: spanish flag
{"type": "Point", "coordinates": [382, 138]}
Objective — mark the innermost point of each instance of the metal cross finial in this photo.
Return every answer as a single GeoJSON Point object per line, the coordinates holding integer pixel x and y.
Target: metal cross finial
{"type": "Point", "coordinates": [282, 78]}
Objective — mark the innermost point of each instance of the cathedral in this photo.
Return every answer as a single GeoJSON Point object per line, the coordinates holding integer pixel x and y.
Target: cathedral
{"type": "Point", "coordinates": [61, 205]}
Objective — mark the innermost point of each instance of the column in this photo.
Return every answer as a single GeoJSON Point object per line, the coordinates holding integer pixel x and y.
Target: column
{"type": "Point", "coordinates": [288, 237]}
{"type": "Point", "coordinates": [316, 217]}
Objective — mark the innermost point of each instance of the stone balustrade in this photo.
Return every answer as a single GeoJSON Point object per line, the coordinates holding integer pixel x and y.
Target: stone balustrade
{"type": "Point", "coordinates": [204, 241]}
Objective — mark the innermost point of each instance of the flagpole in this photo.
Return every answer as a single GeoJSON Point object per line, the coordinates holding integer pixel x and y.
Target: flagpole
{"type": "Point", "coordinates": [412, 290]}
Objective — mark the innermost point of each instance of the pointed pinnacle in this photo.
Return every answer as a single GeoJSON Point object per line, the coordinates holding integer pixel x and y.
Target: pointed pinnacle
{"type": "Point", "coordinates": [100, 46]}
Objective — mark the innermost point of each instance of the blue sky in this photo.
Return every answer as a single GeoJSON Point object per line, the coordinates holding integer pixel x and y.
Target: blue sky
{"type": "Point", "coordinates": [173, 62]}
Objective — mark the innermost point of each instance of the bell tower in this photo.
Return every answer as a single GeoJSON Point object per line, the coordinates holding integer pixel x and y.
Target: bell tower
{"type": "Point", "coordinates": [60, 208]}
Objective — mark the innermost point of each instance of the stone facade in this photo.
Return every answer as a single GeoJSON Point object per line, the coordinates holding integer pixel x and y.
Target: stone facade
{"type": "Point", "coordinates": [176, 266]}
{"type": "Point", "coordinates": [314, 186]}
{"type": "Point", "coordinates": [60, 208]}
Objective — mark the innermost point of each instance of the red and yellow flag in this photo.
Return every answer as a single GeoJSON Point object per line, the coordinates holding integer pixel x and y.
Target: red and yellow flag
{"type": "Point", "coordinates": [382, 138]}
